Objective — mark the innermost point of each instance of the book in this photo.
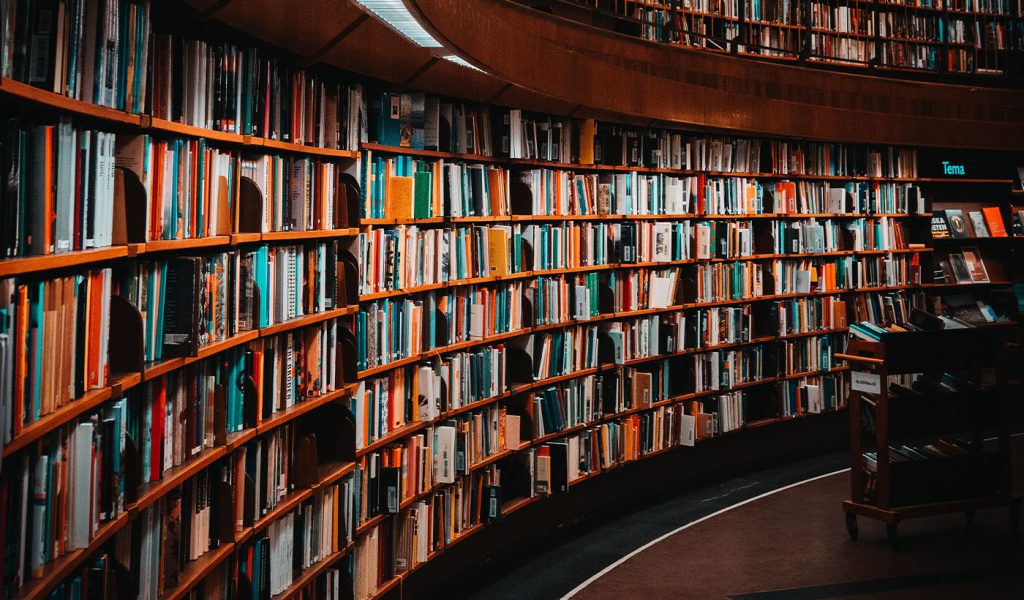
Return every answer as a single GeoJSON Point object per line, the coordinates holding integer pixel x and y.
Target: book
{"type": "Point", "coordinates": [957, 224]}
{"type": "Point", "coordinates": [940, 229]}
{"type": "Point", "coordinates": [960, 268]}
{"type": "Point", "coordinates": [994, 220]}
{"type": "Point", "coordinates": [975, 265]}
{"type": "Point", "coordinates": [978, 223]}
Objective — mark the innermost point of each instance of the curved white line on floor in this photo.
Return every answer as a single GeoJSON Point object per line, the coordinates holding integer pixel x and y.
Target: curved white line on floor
{"type": "Point", "coordinates": [610, 567]}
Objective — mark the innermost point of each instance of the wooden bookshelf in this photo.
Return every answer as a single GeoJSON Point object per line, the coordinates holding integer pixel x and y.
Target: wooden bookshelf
{"type": "Point", "coordinates": [333, 472]}
{"type": "Point", "coordinates": [663, 29]}
{"type": "Point", "coordinates": [945, 482]}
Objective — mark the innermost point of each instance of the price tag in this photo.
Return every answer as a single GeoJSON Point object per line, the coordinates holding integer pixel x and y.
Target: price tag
{"type": "Point", "coordinates": [869, 383]}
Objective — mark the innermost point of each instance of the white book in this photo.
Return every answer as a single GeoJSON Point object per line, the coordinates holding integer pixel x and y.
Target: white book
{"type": "Point", "coordinates": [688, 425]}
{"type": "Point", "coordinates": [444, 454]}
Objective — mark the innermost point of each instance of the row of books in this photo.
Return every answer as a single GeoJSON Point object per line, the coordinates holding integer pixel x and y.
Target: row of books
{"type": "Point", "coordinates": [717, 28]}
{"type": "Point", "coordinates": [829, 235]}
{"type": "Point", "coordinates": [61, 491]}
{"type": "Point", "coordinates": [832, 159]}
{"type": "Point", "coordinates": [54, 336]}
{"type": "Point", "coordinates": [456, 380]}
{"type": "Point", "coordinates": [189, 302]}
{"type": "Point", "coordinates": [97, 51]}
{"type": "Point", "coordinates": [424, 122]}
{"type": "Point", "coordinates": [813, 395]}
{"type": "Point", "coordinates": [555, 192]}
{"type": "Point", "coordinates": [812, 353]}
{"type": "Point", "coordinates": [392, 329]}
{"type": "Point", "coordinates": [296, 542]}
{"type": "Point", "coordinates": [66, 486]}
{"type": "Point", "coordinates": [406, 258]}
{"type": "Point", "coordinates": [398, 187]}
{"type": "Point", "coordinates": [950, 223]}
{"type": "Point", "coordinates": [40, 377]}
{"type": "Point", "coordinates": [740, 280]}
{"type": "Point", "coordinates": [966, 266]}
{"type": "Point", "coordinates": [388, 329]}
{"type": "Point", "coordinates": [240, 90]}
{"type": "Point", "coordinates": [58, 194]}
{"type": "Point", "coordinates": [423, 392]}
{"type": "Point", "coordinates": [402, 258]}
{"type": "Point", "coordinates": [428, 526]}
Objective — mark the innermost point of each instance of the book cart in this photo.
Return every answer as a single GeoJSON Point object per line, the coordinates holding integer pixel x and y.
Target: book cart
{"type": "Point", "coordinates": [979, 477]}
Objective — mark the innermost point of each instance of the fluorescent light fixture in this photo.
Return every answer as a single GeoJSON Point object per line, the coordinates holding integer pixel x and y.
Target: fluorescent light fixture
{"type": "Point", "coordinates": [395, 14]}
{"type": "Point", "coordinates": [461, 62]}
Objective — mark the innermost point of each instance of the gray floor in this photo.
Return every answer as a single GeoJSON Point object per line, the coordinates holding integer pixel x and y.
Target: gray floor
{"type": "Point", "coordinates": [557, 569]}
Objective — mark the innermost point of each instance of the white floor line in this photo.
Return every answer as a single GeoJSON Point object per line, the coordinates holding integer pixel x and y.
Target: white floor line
{"type": "Point", "coordinates": [607, 569]}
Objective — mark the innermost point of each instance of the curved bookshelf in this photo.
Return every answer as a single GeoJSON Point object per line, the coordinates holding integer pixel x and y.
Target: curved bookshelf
{"type": "Point", "coordinates": [152, 494]}
{"type": "Point", "coordinates": [143, 122]}
{"type": "Point", "coordinates": [672, 23]}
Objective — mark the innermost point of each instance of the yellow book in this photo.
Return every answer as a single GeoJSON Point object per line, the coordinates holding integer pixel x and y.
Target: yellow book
{"type": "Point", "coordinates": [588, 130]}
{"type": "Point", "coordinates": [497, 250]}
{"type": "Point", "coordinates": [400, 204]}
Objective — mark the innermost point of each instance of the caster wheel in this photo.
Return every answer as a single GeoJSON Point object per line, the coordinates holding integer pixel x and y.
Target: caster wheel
{"type": "Point", "coordinates": [892, 532]}
{"type": "Point", "coordinates": [969, 516]}
{"type": "Point", "coordinates": [851, 526]}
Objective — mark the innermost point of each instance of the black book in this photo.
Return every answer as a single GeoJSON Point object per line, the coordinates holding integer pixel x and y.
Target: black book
{"type": "Point", "coordinates": [42, 44]}
{"type": "Point", "coordinates": [182, 307]}
{"type": "Point", "coordinates": [558, 479]}
{"type": "Point", "coordinates": [492, 497]}
{"type": "Point", "coordinates": [108, 446]}
{"type": "Point", "coordinates": [461, 462]}
{"type": "Point", "coordinates": [81, 312]}
{"type": "Point", "coordinates": [669, 337]}
{"type": "Point", "coordinates": [264, 568]}
{"type": "Point", "coordinates": [389, 490]}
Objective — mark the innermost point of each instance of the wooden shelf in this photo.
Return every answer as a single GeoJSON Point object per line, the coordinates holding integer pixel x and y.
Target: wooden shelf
{"type": "Point", "coordinates": [196, 570]}
{"type": "Point", "coordinates": [68, 412]}
{"type": "Point", "coordinates": [382, 149]}
{"type": "Point", "coordinates": [31, 264]}
{"type": "Point", "coordinates": [372, 371]}
{"type": "Point", "coordinates": [408, 291]}
{"type": "Point", "coordinates": [61, 568]}
{"type": "Point", "coordinates": [149, 493]}
{"type": "Point", "coordinates": [300, 408]}
{"type": "Point", "coordinates": [17, 89]}
{"type": "Point", "coordinates": [309, 575]}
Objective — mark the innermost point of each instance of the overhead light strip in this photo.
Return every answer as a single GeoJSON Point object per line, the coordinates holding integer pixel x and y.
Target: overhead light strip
{"type": "Point", "coordinates": [395, 14]}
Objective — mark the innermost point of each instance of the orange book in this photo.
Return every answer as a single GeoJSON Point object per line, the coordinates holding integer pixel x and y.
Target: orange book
{"type": "Point", "coordinates": [400, 200]}
{"type": "Point", "coordinates": [994, 220]}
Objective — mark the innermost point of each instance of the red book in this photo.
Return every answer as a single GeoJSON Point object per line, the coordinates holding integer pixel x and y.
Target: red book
{"type": "Point", "coordinates": [994, 220]}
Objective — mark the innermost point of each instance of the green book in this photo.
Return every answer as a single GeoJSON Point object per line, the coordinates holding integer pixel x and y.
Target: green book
{"type": "Point", "coordinates": [422, 194]}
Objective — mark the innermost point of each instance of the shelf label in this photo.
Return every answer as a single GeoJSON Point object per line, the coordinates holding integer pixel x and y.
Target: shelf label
{"type": "Point", "coordinates": [869, 383]}
{"type": "Point", "coordinates": [949, 168]}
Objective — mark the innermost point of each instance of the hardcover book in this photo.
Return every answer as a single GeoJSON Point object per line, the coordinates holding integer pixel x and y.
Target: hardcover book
{"type": "Point", "coordinates": [975, 265]}
{"type": "Point", "coordinates": [978, 223]}
{"type": "Point", "coordinates": [994, 219]}
{"type": "Point", "coordinates": [957, 223]}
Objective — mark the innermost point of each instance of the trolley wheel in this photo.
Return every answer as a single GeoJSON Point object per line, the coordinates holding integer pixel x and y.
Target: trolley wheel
{"type": "Point", "coordinates": [851, 526]}
{"type": "Point", "coordinates": [893, 533]}
{"type": "Point", "coordinates": [969, 516]}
